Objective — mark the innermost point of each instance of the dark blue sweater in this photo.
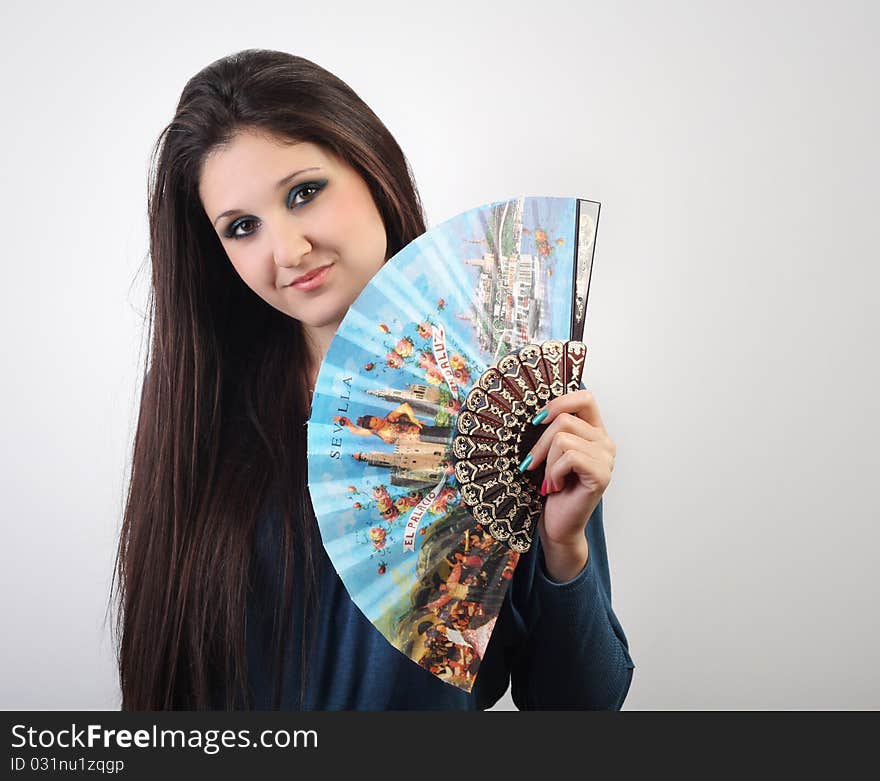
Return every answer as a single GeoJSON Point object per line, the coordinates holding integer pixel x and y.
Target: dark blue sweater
{"type": "Point", "coordinates": [559, 645]}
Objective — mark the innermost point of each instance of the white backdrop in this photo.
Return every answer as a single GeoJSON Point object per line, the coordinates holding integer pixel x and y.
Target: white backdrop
{"type": "Point", "coordinates": [731, 329]}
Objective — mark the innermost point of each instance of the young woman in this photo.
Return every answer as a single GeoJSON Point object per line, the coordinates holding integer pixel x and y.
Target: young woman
{"type": "Point", "coordinates": [277, 194]}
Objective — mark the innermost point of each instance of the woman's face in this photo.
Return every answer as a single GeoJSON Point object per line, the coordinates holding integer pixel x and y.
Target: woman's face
{"type": "Point", "coordinates": [283, 211]}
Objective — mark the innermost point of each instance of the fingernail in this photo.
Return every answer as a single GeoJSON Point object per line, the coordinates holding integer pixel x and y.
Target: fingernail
{"type": "Point", "coordinates": [553, 488]}
{"type": "Point", "coordinates": [527, 462]}
{"type": "Point", "coordinates": [544, 488]}
{"type": "Point", "coordinates": [539, 417]}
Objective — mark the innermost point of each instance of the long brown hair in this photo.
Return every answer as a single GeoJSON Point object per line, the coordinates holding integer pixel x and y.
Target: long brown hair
{"type": "Point", "coordinates": [221, 430]}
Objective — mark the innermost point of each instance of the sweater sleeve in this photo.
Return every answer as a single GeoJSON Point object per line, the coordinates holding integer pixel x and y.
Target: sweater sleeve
{"type": "Point", "coordinates": [572, 652]}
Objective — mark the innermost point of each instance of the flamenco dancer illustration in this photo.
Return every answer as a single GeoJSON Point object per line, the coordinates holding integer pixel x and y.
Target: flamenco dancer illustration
{"type": "Point", "coordinates": [399, 425]}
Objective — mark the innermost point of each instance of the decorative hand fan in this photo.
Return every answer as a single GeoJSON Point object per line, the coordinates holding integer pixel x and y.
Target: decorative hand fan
{"type": "Point", "coordinates": [420, 417]}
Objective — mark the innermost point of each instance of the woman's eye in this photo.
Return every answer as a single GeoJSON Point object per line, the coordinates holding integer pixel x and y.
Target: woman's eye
{"type": "Point", "coordinates": [309, 190]}
{"type": "Point", "coordinates": [231, 231]}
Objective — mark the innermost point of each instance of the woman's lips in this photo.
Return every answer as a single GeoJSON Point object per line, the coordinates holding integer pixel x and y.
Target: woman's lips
{"type": "Point", "coordinates": [316, 280]}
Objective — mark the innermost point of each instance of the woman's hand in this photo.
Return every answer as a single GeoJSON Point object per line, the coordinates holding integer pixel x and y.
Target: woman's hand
{"type": "Point", "coordinates": [580, 458]}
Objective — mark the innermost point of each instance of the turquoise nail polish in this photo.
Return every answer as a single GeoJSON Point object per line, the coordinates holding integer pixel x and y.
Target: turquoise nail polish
{"type": "Point", "coordinates": [539, 417]}
{"type": "Point", "coordinates": [527, 461]}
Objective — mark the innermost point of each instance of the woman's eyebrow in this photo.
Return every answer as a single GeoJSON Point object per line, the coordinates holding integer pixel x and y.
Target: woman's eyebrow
{"type": "Point", "coordinates": [278, 185]}
{"type": "Point", "coordinates": [291, 177]}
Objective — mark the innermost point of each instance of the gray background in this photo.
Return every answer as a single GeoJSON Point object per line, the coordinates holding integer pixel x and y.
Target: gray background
{"type": "Point", "coordinates": [731, 329]}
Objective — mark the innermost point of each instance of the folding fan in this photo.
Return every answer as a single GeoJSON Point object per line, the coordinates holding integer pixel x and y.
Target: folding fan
{"type": "Point", "coordinates": [421, 415]}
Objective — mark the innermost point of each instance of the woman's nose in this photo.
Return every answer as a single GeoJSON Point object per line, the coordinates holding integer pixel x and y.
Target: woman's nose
{"type": "Point", "coordinates": [289, 245]}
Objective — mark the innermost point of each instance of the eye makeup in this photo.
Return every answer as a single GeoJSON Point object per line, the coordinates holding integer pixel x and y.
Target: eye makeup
{"type": "Point", "coordinates": [294, 193]}
{"type": "Point", "coordinates": [300, 188]}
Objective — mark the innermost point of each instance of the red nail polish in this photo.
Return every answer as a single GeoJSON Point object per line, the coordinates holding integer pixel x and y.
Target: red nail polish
{"type": "Point", "coordinates": [544, 488]}
{"type": "Point", "coordinates": [553, 488]}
